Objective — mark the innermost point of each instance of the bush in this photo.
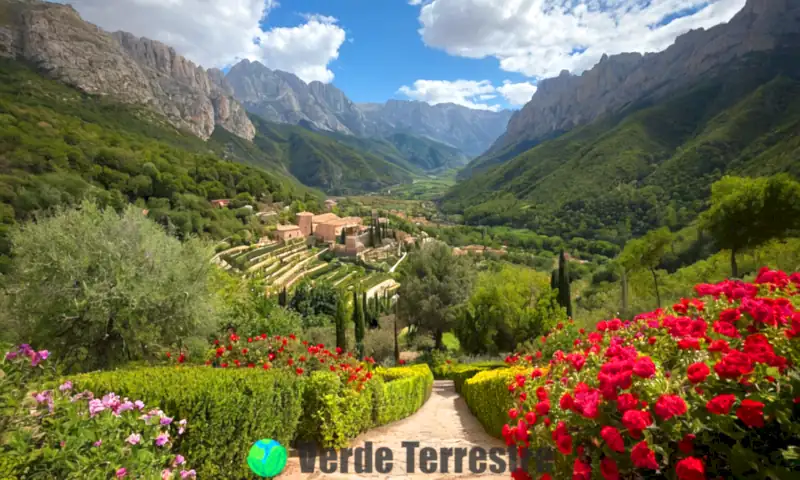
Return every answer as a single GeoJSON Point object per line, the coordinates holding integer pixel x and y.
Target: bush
{"type": "Point", "coordinates": [486, 394]}
{"type": "Point", "coordinates": [460, 373]}
{"type": "Point", "coordinates": [403, 391]}
{"type": "Point", "coordinates": [334, 413]}
{"type": "Point", "coordinates": [379, 343]}
{"type": "Point", "coordinates": [706, 389]}
{"type": "Point", "coordinates": [227, 410]}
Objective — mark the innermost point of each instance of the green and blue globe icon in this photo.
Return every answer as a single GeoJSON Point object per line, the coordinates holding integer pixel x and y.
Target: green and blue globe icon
{"type": "Point", "coordinates": [267, 458]}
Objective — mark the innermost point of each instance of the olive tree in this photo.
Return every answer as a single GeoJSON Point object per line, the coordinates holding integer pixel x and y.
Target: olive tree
{"type": "Point", "coordinates": [99, 288]}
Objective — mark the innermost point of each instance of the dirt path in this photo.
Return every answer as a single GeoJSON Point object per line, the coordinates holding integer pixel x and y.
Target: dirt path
{"type": "Point", "coordinates": [443, 422]}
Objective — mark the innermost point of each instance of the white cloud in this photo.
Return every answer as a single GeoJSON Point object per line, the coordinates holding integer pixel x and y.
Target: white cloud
{"type": "Point", "coordinates": [469, 93]}
{"type": "Point", "coordinates": [517, 93]}
{"type": "Point", "coordinates": [215, 33]}
{"type": "Point", "coordinates": [542, 37]}
{"type": "Point", "coordinates": [461, 92]}
{"type": "Point", "coordinates": [305, 51]}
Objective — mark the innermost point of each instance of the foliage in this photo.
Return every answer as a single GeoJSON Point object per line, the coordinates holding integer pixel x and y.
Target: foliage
{"type": "Point", "coordinates": [486, 393]}
{"type": "Point", "coordinates": [226, 409]}
{"type": "Point", "coordinates": [505, 308]}
{"type": "Point", "coordinates": [359, 323]}
{"type": "Point", "coordinates": [58, 433]}
{"type": "Point", "coordinates": [99, 289]}
{"type": "Point", "coordinates": [706, 389]}
{"type": "Point", "coordinates": [459, 373]}
{"type": "Point", "coordinates": [60, 146]}
{"type": "Point", "coordinates": [341, 320]}
{"type": "Point", "coordinates": [433, 284]}
{"type": "Point", "coordinates": [562, 281]}
{"type": "Point", "coordinates": [403, 392]}
{"type": "Point", "coordinates": [652, 165]}
{"type": "Point", "coordinates": [745, 213]}
{"type": "Point", "coordinates": [319, 299]}
{"type": "Point", "coordinates": [646, 253]}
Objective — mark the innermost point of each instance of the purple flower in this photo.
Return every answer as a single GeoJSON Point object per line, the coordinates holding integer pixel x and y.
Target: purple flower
{"type": "Point", "coordinates": [95, 407]}
{"type": "Point", "coordinates": [188, 474]}
{"type": "Point", "coordinates": [179, 460]}
{"type": "Point", "coordinates": [162, 439]}
{"type": "Point", "coordinates": [139, 404]}
{"type": "Point", "coordinates": [43, 354]}
{"type": "Point", "coordinates": [98, 443]}
{"type": "Point", "coordinates": [11, 355]}
{"type": "Point", "coordinates": [65, 386]}
{"type": "Point", "coordinates": [134, 439]}
{"type": "Point", "coordinates": [165, 420]}
{"type": "Point", "coordinates": [122, 472]}
{"type": "Point", "coordinates": [42, 397]}
{"type": "Point", "coordinates": [125, 406]}
{"type": "Point", "coordinates": [25, 349]}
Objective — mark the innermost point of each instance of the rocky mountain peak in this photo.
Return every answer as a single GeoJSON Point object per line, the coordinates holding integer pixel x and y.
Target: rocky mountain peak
{"type": "Point", "coordinates": [617, 81]}
{"type": "Point", "coordinates": [121, 65]}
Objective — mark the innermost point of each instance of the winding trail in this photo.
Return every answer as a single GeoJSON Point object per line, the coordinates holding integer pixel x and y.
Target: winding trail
{"type": "Point", "coordinates": [443, 422]}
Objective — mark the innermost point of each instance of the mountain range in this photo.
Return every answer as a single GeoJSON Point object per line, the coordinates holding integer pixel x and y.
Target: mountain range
{"type": "Point", "coordinates": [283, 97]}
{"type": "Point", "coordinates": [637, 141]}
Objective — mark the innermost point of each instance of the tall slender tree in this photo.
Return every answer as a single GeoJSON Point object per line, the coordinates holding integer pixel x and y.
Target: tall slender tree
{"type": "Point", "coordinates": [564, 296]}
{"type": "Point", "coordinates": [341, 322]}
{"type": "Point", "coordinates": [343, 237]}
{"type": "Point", "coordinates": [358, 320]}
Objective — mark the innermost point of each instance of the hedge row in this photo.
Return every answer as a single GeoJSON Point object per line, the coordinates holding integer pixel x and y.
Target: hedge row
{"type": "Point", "coordinates": [403, 391]}
{"type": "Point", "coordinates": [487, 396]}
{"type": "Point", "coordinates": [461, 372]}
{"type": "Point", "coordinates": [229, 409]}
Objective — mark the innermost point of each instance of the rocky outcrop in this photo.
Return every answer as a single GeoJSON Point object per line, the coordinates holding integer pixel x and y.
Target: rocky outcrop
{"type": "Point", "coordinates": [282, 97]}
{"type": "Point", "coordinates": [130, 69]}
{"type": "Point", "coordinates": [617, 82]}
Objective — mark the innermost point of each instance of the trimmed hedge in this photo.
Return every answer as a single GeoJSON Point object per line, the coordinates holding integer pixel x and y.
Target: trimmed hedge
{"type": "Point", "coordinates": [461, 372]}
{"type": "Point", "coordinates": [487, 396]}
{"type": "Point", "coordinates": [403, 390]}
{"type": "Point", "coordinates": [227, 410]}
{"type": "Point", "coordinates": [333, 412]}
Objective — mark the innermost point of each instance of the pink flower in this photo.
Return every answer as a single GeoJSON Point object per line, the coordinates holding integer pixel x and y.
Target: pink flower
{"type": "Point", "coordinates": [65, 386]}
{"type": "Point", "coordinates": [98, 443]}
{"type": "Point", "coordinates": [134, 439]}
{"type": "Point", "coordinates": [122, 472]}
{"type": "Point", "coordinates": [95, 406]}
{"type": "Point", "coordinates": [139, 404]}
{"type": "Point", "coordinates": [166, 474]}
{"type": "Point", "coordinates": [179, 460]}
{"type": "Point", "coordinates": [182, 427]}
{"type": "Point", "coordinates": [165, 420]}
{"type": "Point", "coordinates": [162, 439]}
{"type": "Point", "coordinates": [188, 474]}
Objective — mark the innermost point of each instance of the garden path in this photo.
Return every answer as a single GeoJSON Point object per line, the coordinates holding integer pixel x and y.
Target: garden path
{"type": "Point", "coordinates": [443, 422]}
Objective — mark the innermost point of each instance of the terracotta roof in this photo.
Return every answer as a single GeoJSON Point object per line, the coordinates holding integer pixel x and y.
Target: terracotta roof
{"type": "Point", "coordinates": [324, 218]}
{"type": "Point", "coordinates": [305, 214]}
{"type": "Point", "coordinates": [286, 228]}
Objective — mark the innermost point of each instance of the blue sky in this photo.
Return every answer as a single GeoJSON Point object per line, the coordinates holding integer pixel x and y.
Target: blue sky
{"type": "Point", "coordinates": [487, 54]}
{"type": "Point", "coordinates": [380, 56]}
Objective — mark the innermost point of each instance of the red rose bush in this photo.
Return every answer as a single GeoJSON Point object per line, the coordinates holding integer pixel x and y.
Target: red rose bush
{"type": "Point", "coordinates": [706, 389]}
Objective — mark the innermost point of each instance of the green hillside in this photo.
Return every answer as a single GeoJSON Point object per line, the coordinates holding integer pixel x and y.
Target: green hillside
{"type": "Point", "coordinates": [414, 153]}
{"type": "Point", "coordinates": [650, 166]}
{"type": "Point", "coordinates": [59, 146]}
{"type": "Point", "coordinates": [315, 159]}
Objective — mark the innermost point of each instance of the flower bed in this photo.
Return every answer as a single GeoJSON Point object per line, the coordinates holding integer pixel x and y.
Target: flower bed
{"type": "Point", "coordinates": [706, 389]}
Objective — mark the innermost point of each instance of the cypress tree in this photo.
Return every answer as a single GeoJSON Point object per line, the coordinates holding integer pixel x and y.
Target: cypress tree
{"type": "Point", "coordinates": [342, 237]}
{"type": "Point", "coordinates": [358, 319]}
{"type": "Point", "coordinates": [564, 297]}
{"type": "Point", "coordinates": [282, 297]}
{"type": "Point", "coordinates": [341, 323]}
{"type": "Point", "coordinates": [554, 280]}
{"type": "Point", "coordinates": [372, 235]}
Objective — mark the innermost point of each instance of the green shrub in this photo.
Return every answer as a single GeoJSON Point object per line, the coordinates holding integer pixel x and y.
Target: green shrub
{"type": "Point", "coordinates": [487, 396]}
{"type": "Point", "coordinates": [227, 410]}
{"type": "Point", "coordinates": [403, 391]}
{"type": "Point", "coordinates": [460, 373]}
{"type": "Point", "coordinates": [334, 413]}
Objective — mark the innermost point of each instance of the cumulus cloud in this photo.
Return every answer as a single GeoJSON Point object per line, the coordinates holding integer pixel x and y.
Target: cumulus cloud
{"type": "Point", "coordinates": [469, 93]}
{"type": "Point", "coordinates": [517, 93]}
{"type": "Point", "coordinates": [540, 38]}
{"type": "Point", "coordinates": [466, 93]}
{"type": "Point", "coordinates": [216, 33]}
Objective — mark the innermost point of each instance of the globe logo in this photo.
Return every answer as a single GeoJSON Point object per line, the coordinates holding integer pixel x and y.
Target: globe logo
{"type": "Point", "coordinates": [267, 458]}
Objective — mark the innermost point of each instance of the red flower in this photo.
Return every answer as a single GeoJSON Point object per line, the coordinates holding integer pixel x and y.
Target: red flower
{"type": "Point", "coordinates": [543, 407]}
{"type": "Point", "coordinates": [562, 438]}
{"type": "Point", "coordinates": [169, 354]}
{"type": "Point", "coordinates": [299, 371]}
{"type": "Point", "coordinates": [216, 342]}
{"type": "Point", "coordinates": [652, 340]}
{"type": "Point", "coordinates": [266, 366]}
{"type": "Point", "coordinates": [513, 413]}
{"type": "Point", "coordinates": [751, 413]}
{"type": "Point", "coordinates": [719, 346]}
{"type": "Point", "coordinates": [613, 438]}
{"type": "Point", "coordinates": [734, 365]}
{"type": "Point", "coordinates": [721, 404]}
{"type": "Point", "coordinates": [520, 474]}
{"type": "Point", "coordinates": [545, 476]}
{"type": "Point", "coordinates": [686, 445]}
{"type": "Point", "coordinates": [689, 344]}
{"type": "Point", "coordinates": [181, 358]}
{"type": "Point", "coordinates": [587, 400]}
{"type": "Point", "coordinates": [730, 315]}
{"type": "Point", "coordinates": [402, 362]}
{"type": "Point", "coordinates": [581, 470]}
{"type": "Point", "coordinates": [697, 372]}
{"type": "Point", "coordinates": [636, 421]}
{"type": "Point", "coordinates": [669, 406]}
{"type": "Point", "coordinates": [541, 393]}
{"type": "Point", "coordinates": [727, 329]}
{"type": "Point", "coordinates": [690, 468]}
{"type": "Point", "coordinates": [566, 401]}
{"type": "Point", "coordinates": [251, 365]}
{"type": "Point", "coordinates": [244, 351]}
{"type": "Point", "coordinates": [643, 457]}
{"type": "Point", "coordinates": [608, 468]}
{"type": "Point", "coordinates": [626, 402]}
{"type": "Point", "coordinates": [644, 367]}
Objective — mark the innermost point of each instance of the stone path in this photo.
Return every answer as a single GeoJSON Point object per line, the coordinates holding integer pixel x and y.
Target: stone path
{"type": "Point", "coordinates": [443, 422]}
